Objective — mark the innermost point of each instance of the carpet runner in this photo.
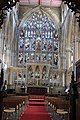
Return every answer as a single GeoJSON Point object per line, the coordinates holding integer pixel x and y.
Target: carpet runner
{"type": "Point", "coordinates": [36, 103]}
{"type": "Point", "coordinates": [35, 113]}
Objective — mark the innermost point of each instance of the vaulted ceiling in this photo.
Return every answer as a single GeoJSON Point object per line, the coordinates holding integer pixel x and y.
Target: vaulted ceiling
{"type": "Point", "coordinates": [56, 3]}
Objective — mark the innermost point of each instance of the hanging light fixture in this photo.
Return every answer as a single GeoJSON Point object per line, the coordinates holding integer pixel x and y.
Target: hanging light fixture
{"type": "Point", "coordinates": [6, 5]}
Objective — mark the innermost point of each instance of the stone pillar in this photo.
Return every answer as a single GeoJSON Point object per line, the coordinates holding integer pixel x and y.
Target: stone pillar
{"type": "Point", "coordinates": [10, 81]}
{"type": "Point", "coordinates": [26, 75]}
{"type": "Point", "coordinates": [76, 42]}
{"type": "Point", "coordinates": [64, 79]}
{"type": "Point", "coordinates": [41, 68]}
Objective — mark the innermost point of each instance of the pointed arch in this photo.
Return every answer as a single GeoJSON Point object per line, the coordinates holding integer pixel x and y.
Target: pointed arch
{"type": "Point", "coordinates": [38, 37]}
{"type": "Point", "coordinates": [37, 69]}
{"type": "Point", "coordinates": [52, 16]}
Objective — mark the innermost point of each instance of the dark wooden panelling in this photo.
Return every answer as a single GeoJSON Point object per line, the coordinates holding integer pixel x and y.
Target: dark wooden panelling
{"type": "Point", "coordinates": [78, 87]}
{"type": "Point", "coordinates": [36, 90]}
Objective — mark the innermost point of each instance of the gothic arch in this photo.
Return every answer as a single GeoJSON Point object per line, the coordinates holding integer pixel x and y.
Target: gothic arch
{"type": "Point", "coordinates": [54, 18]}
{"type": "Point", "coordinates": [38, 32]}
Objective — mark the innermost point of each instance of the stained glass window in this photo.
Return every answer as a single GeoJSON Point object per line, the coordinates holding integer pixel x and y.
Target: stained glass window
{"type": "Point", "coordinates": [38, 40]}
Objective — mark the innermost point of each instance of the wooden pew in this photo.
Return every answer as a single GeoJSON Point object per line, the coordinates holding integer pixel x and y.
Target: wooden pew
{"type": "Point", "coordinates": [13, 104]}
{"type": "Point", "coordinates": [60, 106]}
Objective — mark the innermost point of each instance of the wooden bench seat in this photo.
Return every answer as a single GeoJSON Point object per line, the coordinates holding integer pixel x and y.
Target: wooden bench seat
{"type": "Point", "coordinates": [61, 106]}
